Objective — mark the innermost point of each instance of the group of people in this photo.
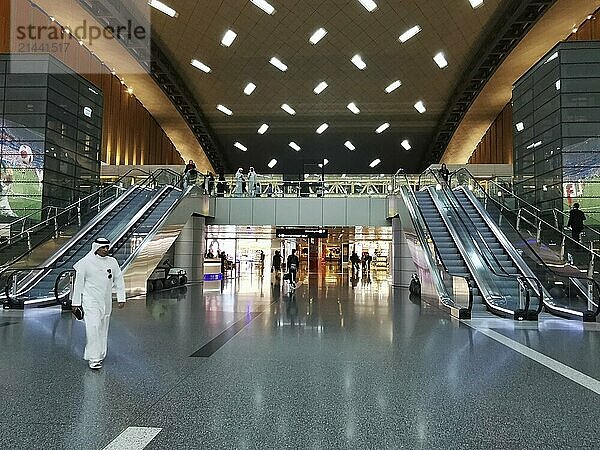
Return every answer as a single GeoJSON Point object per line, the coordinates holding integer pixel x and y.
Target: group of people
{"type": "Point", "coordinates": [209, 184]}
{"type": "Point", "coordinates": [356, 261]}
{"type": "Point", "coordinates": [292, 265]}
{"type": "Point", "coordinates": [246, 185]}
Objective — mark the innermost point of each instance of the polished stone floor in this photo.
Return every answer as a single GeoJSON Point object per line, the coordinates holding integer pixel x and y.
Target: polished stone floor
{"type": "Point", "coordinates": [342, 363]}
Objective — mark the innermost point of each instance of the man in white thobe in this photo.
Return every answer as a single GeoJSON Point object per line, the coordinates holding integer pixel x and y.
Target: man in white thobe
{"type": "Point", "coordinates": [96, 276]}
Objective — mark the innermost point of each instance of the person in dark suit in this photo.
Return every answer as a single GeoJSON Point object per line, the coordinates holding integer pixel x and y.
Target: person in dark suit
{"type": "Point", "coordinates": [576, 219]}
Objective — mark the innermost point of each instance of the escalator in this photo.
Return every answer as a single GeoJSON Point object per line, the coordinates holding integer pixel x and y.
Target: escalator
{"type": "Point", "coordinates": [564, 267]}
{"type": "Point", "coordinates": [468, 249]}
{"type": "Point", "coordinates": [133, 215]}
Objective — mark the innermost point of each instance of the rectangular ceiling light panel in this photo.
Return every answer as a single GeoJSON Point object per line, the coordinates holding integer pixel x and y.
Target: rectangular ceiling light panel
{"type": "Point", "coordinates": [358, 62]}
{"type": "Point", "coordinates": [440, 60]}
{"type": "Point", "coordinates": [322, 128]}
{"type": "Point", "coordinates": [320, 87]}
{"type": "Point", "coordinates": [160, 6]}
{"type": "Point", "coordinates": [406, 145]}
{"type": "Point", "coordinates": [272, 163]}
{"type": "Point", "coordinates": [369, 5]}
{"type": "Point", "coordinates": [420, 106]}
{"type": "Point", "coordinates": [277, 63]}
{"type": "Point", "coordinates": [382, 128]}
{"type": "Point", "coordinates": [225, 110]}
{"type": "Point", "coordinates": [410, 33]}
{"type": "Point", "coordinates": [295, 146]}
{"type": "Point", "coordinates": [240, 147]}
{"type": "Point", "coordinates": [264, 5]}
{"type": "Point", "coordinates": [392, 87]}
{"type": "Point", "coordinates": [476, 3]}
{"type": "Point", "coordinates": [249, 89]}
{"type": "Point", "coordinates": [288, 109]}
{"type": "Point", "coordinates": [375, 163]}
{"type": "Point", "coordinates": [228, 39]}
{"type": "Point", "coordinates": [200, 65]}
{"type": "Point", "coordinates": [317, 36]}
{"type": "Point", "coordinates": [263, 128]}
{"type": "Point", "coordinates": [349, 145]}
{"type": "Point", "coordinates": [352, 107]}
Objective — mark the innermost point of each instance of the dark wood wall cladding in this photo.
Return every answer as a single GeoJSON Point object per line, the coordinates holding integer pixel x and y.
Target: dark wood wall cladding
{"type": "Point", "coordinates": [130, 134]}
{"type": "Point", "coordinates": [496, 147]}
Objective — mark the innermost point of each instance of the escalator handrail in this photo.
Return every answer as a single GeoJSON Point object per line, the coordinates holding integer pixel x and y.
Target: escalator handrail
{"type": "Point", "coordinates": [452, 202]}
{"type": "Point", "coordinates": [423, 238]}
{"type": "Point", "coordinates": [153, 231]}
{"type": "Point", "coordinates": [533, 252]}
{"type": "Point", "coordinates": [73, 207]}
{"type": "Point", "coordinates": [49, 266]}
{"type": "Point", "coordinates": [58, 278]}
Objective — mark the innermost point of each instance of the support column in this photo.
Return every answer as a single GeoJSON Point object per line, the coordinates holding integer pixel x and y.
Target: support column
{"type": "Point", "coordinates": [403, 266]}
{"type": "Point", "coordinates": [189, 249]}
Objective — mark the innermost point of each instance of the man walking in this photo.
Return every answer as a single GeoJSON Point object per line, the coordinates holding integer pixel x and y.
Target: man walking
{"type": "Point", "coordinates": [293, 262]}
{"type": "Point", "coordinates": [576, 219]}
{"type": "Point", "coordinates": [96, 276]}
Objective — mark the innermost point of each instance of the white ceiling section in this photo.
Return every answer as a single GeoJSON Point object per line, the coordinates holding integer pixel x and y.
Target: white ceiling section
{"type": "Point", "coordinates": [453, 27]}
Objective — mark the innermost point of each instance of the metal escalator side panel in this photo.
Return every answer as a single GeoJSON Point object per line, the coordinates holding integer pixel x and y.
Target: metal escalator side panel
{"type": "Point", "coordinates": [510, 249]}
{"type": "Point", "coordinates": [472, 259]}
{"type": "Point", "coordinates": [149, 254]}
{"type": "Point", "coordinates": [413, 225]}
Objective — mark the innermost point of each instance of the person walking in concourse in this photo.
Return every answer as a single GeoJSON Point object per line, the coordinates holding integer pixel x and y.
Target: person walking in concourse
{"type": "Point", "coordinates": [277, 262]}
{"type": "Point", "coordinates": [444, 173]}
{"type": "Point", "coordinates": [576, 219]}
{"type": "Point", "coordinates": [293, 262]}
{"type": "Point", "coordinates": [97, 274]}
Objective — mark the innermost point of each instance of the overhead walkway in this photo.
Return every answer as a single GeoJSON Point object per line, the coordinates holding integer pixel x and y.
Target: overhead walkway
{"type": "Point", "coordinates": [131, 222]}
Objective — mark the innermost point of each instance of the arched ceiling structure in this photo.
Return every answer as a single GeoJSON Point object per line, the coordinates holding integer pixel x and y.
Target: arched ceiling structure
{"type": "Point", "coordinates": [453, 27]}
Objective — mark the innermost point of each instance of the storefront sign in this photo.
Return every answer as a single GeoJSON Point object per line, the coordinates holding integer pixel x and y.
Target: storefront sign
{"type": "Point", "coordinates": [301, 233]}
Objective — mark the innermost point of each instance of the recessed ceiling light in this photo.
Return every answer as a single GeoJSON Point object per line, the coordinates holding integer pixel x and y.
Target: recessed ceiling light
{"type": "Point", "coordinates": [272, 163]}
{"type": "Point", "coordinates": [406, 144]}
{"type": "Point", "coordinates": [419, 106]}
{"type": "Point", "coordinates": [410, 33]}
{"type": "Point", "coordinates": [163, 8]}
{"type": "Point", "coordinates": [249, 89]}
{"type": "Point", "coordinates": [228, 39]}
{"type": "Point", "coordinates": [320, 87]}
{"type": "Point", "coordinates": [225, 110]}
{"type": "Point", "coordinates": [349, 145]}
{"type": "Point", "coordinates": [263, 128]}
{"type": "Point", "coordinates": [520, 126]}
{"type": "Point", "coordinates": [288, 109]}
{"type": "Point", "coordinates": [476, 3]}
{"type": "Point", "coordinates": [324, 163]}
{"type": "Point", "coordinates": [358, 62]}
{"type": "Point", "coordinates": [322, 128]}
{"type": "Point", "coordinates": [317, 36]}
{"type": "Point", "coordinates": [295, 146]}
{"type": "Point", "coordinates": [440, 60]}
{"type": "Point", "coordinates": [240, 146]}
{"type": "Point", "coordinates": [375, 163]}
{"type": "Point", "coordinates": [200, 65]}
{"type": "Point", "coordinates": [265, 6]}
{"type": "Point", "coordinates": [382, 128]}
{"type": "Point", "coordinates": [277, 63]}
{"type": "Point", "coordinates": [392, 87]}
{"type": "Point", "coordinates": [352, 107]}
{"type": "Point", "coordinates": [369, 5]}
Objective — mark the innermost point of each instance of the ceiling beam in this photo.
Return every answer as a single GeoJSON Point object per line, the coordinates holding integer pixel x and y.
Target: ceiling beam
{"type": "Point", "coordinates": [505, 32]}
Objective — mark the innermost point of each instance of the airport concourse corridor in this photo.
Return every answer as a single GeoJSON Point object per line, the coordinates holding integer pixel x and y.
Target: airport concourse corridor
{"type": "Point", "coordinates": [343, 362]}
